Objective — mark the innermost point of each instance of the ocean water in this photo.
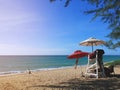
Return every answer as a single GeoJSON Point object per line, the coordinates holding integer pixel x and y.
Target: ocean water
{"type": "Point", "coordinates": [18, 64]}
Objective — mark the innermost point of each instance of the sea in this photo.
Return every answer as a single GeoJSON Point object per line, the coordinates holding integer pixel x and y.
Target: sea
{"type": "Point", "coordinates": [13, 64]}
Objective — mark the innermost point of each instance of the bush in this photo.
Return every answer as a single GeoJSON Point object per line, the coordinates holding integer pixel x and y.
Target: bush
{"type": "Point", "coordinates": [116, 62]}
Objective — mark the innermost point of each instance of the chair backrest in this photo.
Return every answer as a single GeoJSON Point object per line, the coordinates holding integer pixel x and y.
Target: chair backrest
{"type": "Point", "coordinates": [100, 53]}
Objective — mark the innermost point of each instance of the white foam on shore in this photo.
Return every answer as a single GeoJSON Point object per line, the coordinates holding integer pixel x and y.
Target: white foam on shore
{"type": "Point", "coordinates": [36, 70]}
{"type": "Point", "coordinates": [64, 67]}
{"type": "Point", "coordinates": [10, 73]}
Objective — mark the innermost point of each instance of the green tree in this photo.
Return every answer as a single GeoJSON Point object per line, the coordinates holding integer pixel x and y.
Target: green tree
{"type": "Point", "coordinates": [109, 12]}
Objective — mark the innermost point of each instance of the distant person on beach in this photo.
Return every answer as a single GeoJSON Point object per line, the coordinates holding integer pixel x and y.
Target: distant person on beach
{"type": "Point", "coordinates": [29, 71]}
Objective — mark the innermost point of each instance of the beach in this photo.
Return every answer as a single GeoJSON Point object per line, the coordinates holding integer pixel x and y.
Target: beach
{"type": "Point", "coordinates": [53, 45]}
{"type": "Point", "coordinates": [59, 79]}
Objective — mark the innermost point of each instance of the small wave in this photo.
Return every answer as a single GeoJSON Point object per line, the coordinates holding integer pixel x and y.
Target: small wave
{"type": "Point", "coordinates": [63, 67]}
{"type": "Point", "coordinates": [10, 73]}
{"type": "Point", "coordinates": [34, 70]}
{"type": "Point", "coordinates": [45, 69]}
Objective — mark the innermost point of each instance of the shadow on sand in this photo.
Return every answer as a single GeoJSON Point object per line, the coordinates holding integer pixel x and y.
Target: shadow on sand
{"type": "Point", "coordinates": [111, 83]}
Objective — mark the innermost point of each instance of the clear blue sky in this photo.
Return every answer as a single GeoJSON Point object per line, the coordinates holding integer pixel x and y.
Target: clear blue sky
{"type": "Point", "coordinates": [38, 27]}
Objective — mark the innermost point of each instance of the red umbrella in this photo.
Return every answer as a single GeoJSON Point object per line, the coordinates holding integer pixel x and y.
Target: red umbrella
{"type": "Point", "coordinates": [77, 54]}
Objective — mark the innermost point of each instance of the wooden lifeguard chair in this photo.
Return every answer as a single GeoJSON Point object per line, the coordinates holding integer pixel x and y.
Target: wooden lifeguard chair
{"type": "Point", "coordinates": [95, 67]}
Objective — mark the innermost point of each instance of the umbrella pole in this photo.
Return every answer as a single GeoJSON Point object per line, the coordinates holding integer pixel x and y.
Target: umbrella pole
{"type": "Point", "coordinates": [81, 71]}
{"type": "Point", "coordinates": [76, 63]}
{"type": "Point", "coordinates": [92, 47]}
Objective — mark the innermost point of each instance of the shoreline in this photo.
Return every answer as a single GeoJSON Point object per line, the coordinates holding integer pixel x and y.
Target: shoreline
{"type": "Point", "coordinates": [58, 79]}
{"type": "Point", "coordinates": [7, 73]}
{"type": "Point", "coordinates": [41, 69]}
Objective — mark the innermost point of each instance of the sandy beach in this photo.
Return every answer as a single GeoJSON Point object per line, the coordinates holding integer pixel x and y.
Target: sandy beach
{"type": "Point", "coordinates": [60, 79]}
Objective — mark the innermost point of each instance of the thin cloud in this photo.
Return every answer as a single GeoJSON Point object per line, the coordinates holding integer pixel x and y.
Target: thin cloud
{"type": "Point", "coordinates": [11, 49]}
{"type": "Point", "coordinates": [15, 14]}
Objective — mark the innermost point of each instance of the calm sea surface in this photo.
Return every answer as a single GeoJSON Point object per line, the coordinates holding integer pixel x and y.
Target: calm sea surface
{"type": "Point", "coordinates": [17, 64]}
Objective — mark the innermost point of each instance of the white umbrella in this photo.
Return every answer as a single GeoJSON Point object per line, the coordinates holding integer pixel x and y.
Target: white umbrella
{"type": "Point", "coordinates": [92, 42]}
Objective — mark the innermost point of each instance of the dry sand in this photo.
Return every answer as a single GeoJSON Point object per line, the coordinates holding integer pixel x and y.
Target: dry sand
{"type": "Point", "coordinates": [60, 79]}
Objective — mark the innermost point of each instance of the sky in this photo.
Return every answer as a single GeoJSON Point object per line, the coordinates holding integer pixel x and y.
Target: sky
{"type": "Point", "coordinates": [38, 27]}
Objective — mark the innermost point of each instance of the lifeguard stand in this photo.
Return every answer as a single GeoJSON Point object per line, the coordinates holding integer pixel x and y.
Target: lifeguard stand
{"type": "Point", "coordinates": [95, 67]}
